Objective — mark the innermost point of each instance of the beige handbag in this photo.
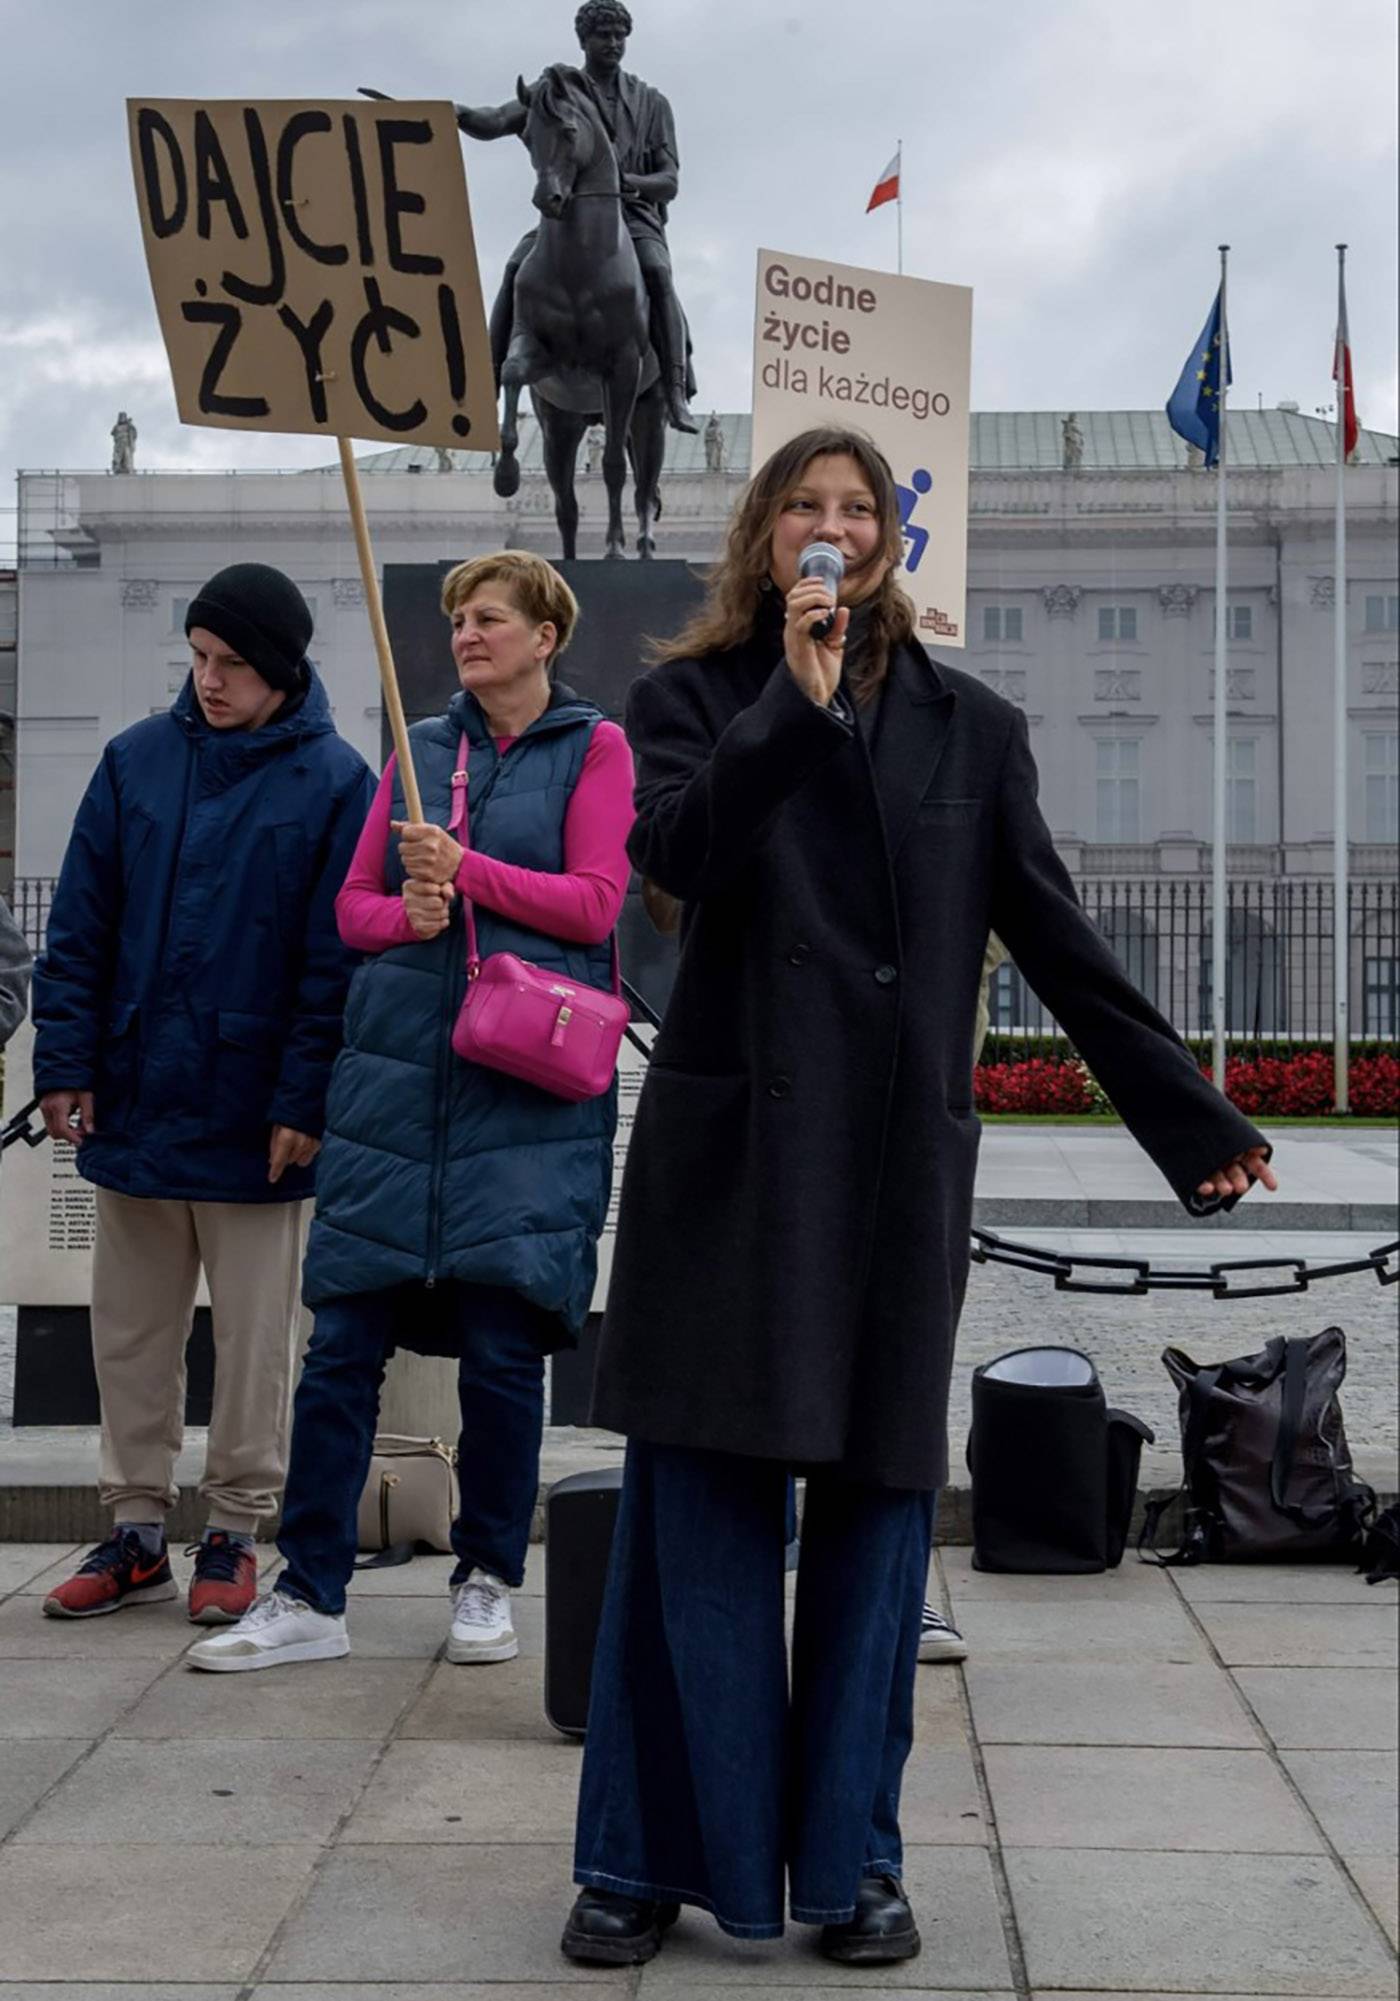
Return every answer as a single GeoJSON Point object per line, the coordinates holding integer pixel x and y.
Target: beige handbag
{"type": "Point", "coordinates": [410, 1497]}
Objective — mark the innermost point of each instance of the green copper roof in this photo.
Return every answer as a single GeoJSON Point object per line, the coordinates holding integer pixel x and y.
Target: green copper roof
{"type": "Point", "coordinates": [1006, 441]}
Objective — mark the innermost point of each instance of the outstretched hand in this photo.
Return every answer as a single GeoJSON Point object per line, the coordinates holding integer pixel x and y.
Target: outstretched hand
{"type": "Point", "coordinates": [1235, 1176]}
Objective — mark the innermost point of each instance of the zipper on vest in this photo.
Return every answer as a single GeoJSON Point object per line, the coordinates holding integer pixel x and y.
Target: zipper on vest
{"type": "Point", "coordinates": [448, 1014]}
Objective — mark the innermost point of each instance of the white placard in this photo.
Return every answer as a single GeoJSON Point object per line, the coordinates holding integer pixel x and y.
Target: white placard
{"type": "Point", "coordinates": [891, 356]}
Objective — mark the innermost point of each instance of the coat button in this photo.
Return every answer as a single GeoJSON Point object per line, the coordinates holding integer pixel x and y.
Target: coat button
{"type": "Point", "coordinates": [885, 976]}
{"type": "Point", "coordinates": [780, 1087]}
{"type": "Point", "coordinates": [799, 955]}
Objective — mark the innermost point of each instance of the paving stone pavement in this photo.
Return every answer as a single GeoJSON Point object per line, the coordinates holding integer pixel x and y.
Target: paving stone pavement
{"type": "Point", "coordinates": [1148, 1783]}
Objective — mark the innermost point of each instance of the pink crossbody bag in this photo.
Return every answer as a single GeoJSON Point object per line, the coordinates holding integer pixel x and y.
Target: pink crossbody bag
{"type": "Point", "coordinates": [527, 1021]}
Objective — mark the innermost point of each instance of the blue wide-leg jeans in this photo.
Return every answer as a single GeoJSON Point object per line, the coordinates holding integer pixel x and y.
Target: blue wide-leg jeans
{"type": "Point", "coordinates": [500, 1388]}
{"type": "Point", "coordinates": [704, 1780]}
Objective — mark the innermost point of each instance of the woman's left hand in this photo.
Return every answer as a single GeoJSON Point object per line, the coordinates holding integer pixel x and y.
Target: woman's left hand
{"type": "Point", "coordinates": [428, 853]}
{"type": "Point", "coordinates": [1235, 1176]}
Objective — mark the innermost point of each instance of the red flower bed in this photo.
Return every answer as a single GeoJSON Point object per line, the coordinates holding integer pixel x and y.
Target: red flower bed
{"type": "Point", "coordinates": [1292, 1086]}
{"type": "Point", "coordinates": [1038, 1085]}
{"type": "Point", "coordinates": [1298, 1086]}
{"type": "Point", "coordinates": [1373, 1086]}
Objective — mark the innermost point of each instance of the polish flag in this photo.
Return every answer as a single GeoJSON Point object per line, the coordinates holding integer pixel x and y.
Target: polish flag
{"type": "Point", "coordinates": [887, 187]}
{"type": "Point", "coordinates": [1341, 373]}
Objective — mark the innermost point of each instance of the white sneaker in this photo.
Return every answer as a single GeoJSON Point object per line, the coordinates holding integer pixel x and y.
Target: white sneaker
{"type": "Point", "coordinates": [481, 1628]}
{"type": "Point", "coordinates": [939, 1638]}
{"type": "Point", "coordinates": [275, 1629]}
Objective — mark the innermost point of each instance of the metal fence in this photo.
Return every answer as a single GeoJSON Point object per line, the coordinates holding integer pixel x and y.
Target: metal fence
{"type": "Point", "coordinates": [1278, 975]}
{"type": "Point", "coordinates": [1278, 980]}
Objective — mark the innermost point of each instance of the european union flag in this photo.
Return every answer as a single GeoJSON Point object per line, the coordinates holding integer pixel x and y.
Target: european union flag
{"type": "Point", "coordinates": [1193, 409]}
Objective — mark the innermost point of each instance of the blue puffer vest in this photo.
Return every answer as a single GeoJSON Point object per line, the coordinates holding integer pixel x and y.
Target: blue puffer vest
{"type": "Point", "coordinates": [434, 1168]}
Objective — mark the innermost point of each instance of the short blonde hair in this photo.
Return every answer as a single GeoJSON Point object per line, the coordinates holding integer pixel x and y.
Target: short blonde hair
{"type": "Point", "coordinates": [535, 585]}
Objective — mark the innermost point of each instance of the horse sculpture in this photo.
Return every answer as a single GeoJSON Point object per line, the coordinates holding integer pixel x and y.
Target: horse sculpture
{"type": "Point", "coordinates": [581, 341]}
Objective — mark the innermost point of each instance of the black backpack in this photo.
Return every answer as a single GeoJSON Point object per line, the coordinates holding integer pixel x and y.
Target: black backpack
{"type": "Point", "coordinates": [1054, 1470]}
{"type": "Point", "coordinates": [1267, 1474]}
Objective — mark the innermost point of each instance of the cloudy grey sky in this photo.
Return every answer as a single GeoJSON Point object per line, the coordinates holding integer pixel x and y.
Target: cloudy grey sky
{"type": "Point", "coordinates": [1074, 161]}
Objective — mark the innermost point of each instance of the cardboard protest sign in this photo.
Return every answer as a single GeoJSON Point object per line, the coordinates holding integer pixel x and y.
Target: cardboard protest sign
{"type": "Point", "coordinates": [892, 357]}
{"type": "Point", "coordinates": [314, 268]}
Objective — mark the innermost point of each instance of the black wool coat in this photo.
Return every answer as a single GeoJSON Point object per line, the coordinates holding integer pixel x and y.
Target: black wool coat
{"type": "Point", "coordinates": [793, 1238]}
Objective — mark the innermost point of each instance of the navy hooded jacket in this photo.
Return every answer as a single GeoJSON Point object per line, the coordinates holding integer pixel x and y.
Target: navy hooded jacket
{"type": "Point", "coordinates": [435, 1168]}
{"type": "Point", "coordinates": [193, 978]}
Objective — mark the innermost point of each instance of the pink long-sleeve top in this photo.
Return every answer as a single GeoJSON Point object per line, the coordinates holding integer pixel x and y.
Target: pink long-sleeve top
{"type": "Point", "coordinates": [580, 903]}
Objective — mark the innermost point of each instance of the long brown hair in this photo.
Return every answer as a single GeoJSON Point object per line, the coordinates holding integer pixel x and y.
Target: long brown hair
{"type": "Point", "coordinates": [736, 584]}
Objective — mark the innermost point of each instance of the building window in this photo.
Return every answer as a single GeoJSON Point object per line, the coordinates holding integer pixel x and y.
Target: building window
{"type": "Point", "coordinates": [1382, 785]}
{"type": "Point", "coordinates": [1383, 614]}
{"type": "Point", "coordinates": [1241, 818]}
{"type": "Point", "coordinates": [1239, 622]}
{"type": "Point", "coordinates": [1118, 625]}
{"type": "Point", "coordinates": [1381, 997]}
{"type": "Point", "coordinates": [1117, 763]}
{"type": "Point", "coordinates": [1001, 625]}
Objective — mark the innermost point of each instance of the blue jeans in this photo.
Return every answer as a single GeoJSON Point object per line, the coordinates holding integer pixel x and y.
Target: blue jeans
{"type": "Point", "coordinates": [703, 1781]}
{"type": "Point", "coordinates": [500, 1387]}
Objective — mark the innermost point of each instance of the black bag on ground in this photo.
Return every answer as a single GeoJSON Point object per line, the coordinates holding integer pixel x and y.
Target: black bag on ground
{"type": "Point", "coordinates": [1380, 1553]}
{"type": "Point", "coordinates": [1267, 1473]}
{"type": "Point", "coordinates": [1054, 1470]}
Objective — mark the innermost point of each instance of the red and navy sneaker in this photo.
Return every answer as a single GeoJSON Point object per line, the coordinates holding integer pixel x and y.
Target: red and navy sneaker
{"type": "Point", "coordinates": [120, 1571]}
{"type": "Point", "coordinates": [225, 1580]}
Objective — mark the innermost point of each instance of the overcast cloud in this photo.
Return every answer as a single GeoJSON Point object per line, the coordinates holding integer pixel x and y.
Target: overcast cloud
{"type": "Point", "coordinates": [1074, 161]}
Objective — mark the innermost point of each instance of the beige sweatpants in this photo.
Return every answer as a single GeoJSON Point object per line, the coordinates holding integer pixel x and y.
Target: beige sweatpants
{"type": "Point", "coordinates": [146, 1263]}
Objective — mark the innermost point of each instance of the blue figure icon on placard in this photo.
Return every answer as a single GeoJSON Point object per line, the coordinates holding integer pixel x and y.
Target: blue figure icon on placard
{"type": "Point", "coordinates": [915, 538]}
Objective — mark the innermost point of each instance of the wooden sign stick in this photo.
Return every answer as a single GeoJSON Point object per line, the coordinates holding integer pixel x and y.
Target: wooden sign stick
{"type": "Point", "coordinates": [388, 678]}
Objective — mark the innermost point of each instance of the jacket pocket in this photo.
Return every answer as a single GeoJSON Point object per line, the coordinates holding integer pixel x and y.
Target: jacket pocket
{"type": "Point", "coordinates": [118, 1066]}
{"type": "Point", "coordinates": [289, 879]}
{"type": "Point", "coordinates": [246, 1058]}
{"type": "Point", "coordinates": [137, 828]}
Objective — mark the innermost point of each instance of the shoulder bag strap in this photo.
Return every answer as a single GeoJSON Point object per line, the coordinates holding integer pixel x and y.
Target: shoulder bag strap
{"type": "Point", "coordinates": [459, 826]}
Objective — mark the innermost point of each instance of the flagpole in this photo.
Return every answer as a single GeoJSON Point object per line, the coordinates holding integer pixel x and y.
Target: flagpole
{"type": "Point", "coordinates": [1341, 940]}
{"type": "Point", "coordinates": [899, 203]}
{"type": "Point", "coordinates": [1219, 929]}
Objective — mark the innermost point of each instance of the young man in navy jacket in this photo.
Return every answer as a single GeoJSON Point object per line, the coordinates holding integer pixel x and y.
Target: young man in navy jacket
{"type": "Point", "coordinates": [187, 1011]}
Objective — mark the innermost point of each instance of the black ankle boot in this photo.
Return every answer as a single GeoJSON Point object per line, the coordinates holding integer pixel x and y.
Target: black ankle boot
{"type": "Point", "coordinates": [606, 1929]}
{"type": "Point", "coordinates": [882, 1929]}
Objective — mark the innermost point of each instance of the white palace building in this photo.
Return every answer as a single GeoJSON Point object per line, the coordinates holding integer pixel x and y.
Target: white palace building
{"type": "Point", "coordinates": [1091, 604]}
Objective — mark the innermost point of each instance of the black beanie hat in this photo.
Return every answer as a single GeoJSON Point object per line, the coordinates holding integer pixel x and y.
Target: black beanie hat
{"type": "Point", "coordinates": [262, 614]}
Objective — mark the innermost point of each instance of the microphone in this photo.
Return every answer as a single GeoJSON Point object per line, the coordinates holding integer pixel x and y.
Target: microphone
{"type": "Point", "coordinates": [822, 559]}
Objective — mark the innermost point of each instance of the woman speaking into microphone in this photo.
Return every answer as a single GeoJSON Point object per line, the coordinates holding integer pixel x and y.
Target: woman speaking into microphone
{"type": "Point", "coordinates": [843, 820]}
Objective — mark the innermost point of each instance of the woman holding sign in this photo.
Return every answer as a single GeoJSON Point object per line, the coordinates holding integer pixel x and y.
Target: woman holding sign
{"type": "Point", "coordinates": [459, 1207]}
{"type": "Point", "coordinates": [844, 821]}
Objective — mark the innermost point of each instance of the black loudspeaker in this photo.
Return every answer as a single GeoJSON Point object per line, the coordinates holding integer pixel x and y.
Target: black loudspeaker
{"type": "Point", "coordinates": [579, 1517]}
{"type": "Point", "coordinates": [1054, 1470]}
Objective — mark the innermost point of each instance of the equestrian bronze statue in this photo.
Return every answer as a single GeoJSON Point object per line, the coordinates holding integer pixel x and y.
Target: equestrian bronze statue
{"type": "Point", "coordinates": [587, 316]}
